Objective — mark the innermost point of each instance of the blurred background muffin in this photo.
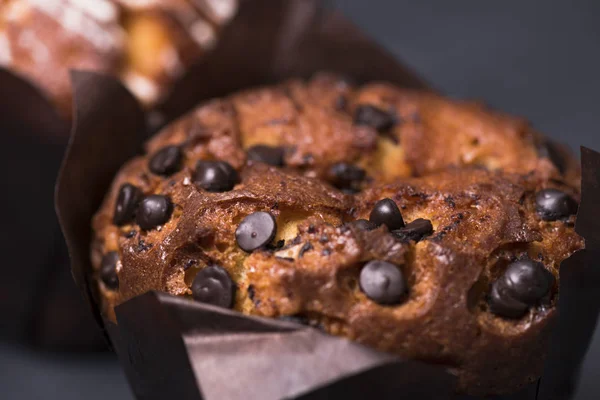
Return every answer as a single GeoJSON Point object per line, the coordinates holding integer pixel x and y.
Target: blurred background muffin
{"type": "Point", "coordinates": [147, 43]}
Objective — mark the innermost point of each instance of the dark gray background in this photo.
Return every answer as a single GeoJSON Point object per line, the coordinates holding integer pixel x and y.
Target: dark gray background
{"type": "Point", "coordinates": [537, 59]}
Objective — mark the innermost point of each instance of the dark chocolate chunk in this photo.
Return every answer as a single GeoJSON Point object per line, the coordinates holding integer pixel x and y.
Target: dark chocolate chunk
{"type": "Point", "coordinates": [166, 161]}
{"type": "Point", "coordinates": [108, 270]}
{"type": "Point", "coordinates": [127, 202]}
{"type": "Point", "coordinates": [527, 281]}
{"type": "Point", "coordinates": [553, 204]}
{"type": "Point", "coordinates": [215, 176]}
{"type": "Point", "coordinates": [374, 117]}
{"type": "Point", "coordinates": [154, 210]}
{"type": "Point", "coordinates": [362, 224]}
{"type": "Point", "coordinates": [346, 176]}
{"type": "Point", "coordinates": [503, 304]}
{"type": "Point", "coordinates": [213, 285]}
{"type": "Point", "coordinates": [267, 154]}
{"type": "Point", "coordinates": [382, 282]}
{"type": "Point", "coordinates": [386, 212]}
{"type": "Point", "coordinates": [255, 231]}
{"type": "Point", "coordinates": [415, 231]}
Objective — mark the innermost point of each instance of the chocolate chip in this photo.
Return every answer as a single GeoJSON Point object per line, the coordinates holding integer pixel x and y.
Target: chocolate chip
{"type": "Point", "coordinates": [127, 203]}
{"type": "Point", "coordinates": [215, 176]}
{"type": "Point", "coordinates": [415, 231]}
{"type": "Point", "coordinates": [267, 154]}
{"type": "Point", "coordinates": [386, 212]}
{"type": "Point", "coordinates": [346, 176]}
{"type": "Point", "coordinates": [362, 224]}
{"type": "Point", "coordinates": [306, 247]}
{"type": "Point", "coordinates": [108, 270]}
{"type": "Point", "coordinates": [131, 234]}
{"type": "Point", "coordinates": [255, 231]}
{"type": "Point", "coordinates": [524, 283]}
{"type": "Point", "coordinates": [550, 150]}
{"type": "Point", "coordinates": [166, 161]}
{"type": "Point", "coordinates": [154, 210]}
{"type": "Point", "coordinates": [374, 117]}
{"type": "Point", "coordinates": [552, 204]}
{"type": "Point", "coordinates": [505, 306]}
{"type": "Point", "coordinates": [382, 282]}
{"type": "Point", "coordinates": [212, 285]}
{"type": "Point", "coordinates": [527, 281]}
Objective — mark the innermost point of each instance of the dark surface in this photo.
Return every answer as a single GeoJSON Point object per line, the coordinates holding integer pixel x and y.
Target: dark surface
{"type": "Point", "coordinates": [538, 59]}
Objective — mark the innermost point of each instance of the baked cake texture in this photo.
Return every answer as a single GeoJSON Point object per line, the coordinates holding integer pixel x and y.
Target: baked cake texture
{"type": "Point", "coordinates": [148, 44]}
{"type": "Point", "coordinates": [415, 224]}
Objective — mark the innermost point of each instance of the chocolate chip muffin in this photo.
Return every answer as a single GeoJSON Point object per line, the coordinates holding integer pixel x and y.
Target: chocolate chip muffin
{"type": "Point", "coordinates": [148, 44]}
{"type": "Point", "coordinates": [426, 227]}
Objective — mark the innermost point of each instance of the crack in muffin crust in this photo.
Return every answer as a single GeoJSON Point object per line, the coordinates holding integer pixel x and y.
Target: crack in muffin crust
{"type": "Point", "coordinates": [429, 228]}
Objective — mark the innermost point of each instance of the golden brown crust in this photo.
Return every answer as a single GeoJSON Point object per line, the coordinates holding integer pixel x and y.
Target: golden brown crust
{"type": "Point", "coordinates": [147, 44]}
{"type": "Point", "coordinates": [480, 200]}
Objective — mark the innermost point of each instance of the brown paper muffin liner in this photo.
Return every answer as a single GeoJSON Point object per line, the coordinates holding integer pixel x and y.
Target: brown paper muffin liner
{"type": "Point", "coordinates": [171, 347]}
{"type": "Point", "coordinates": [37, 295]}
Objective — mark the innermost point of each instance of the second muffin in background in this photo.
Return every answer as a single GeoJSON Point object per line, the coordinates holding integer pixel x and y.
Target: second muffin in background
{"type": "Point", "coordinates": [148, 44]}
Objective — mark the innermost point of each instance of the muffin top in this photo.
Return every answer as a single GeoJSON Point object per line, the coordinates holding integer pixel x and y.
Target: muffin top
{"type": "Point", "coordinates": [426, 227]}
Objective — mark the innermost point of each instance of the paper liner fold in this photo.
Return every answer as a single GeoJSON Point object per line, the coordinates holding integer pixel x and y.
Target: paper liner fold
{"type": "Point", "coordinates": [174, 348]}
{"type": "Point", "coordinates": [168, 350]}
{"type": "Point", "coordinates": [95, 159]}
